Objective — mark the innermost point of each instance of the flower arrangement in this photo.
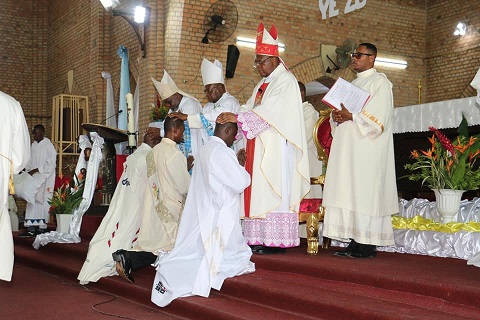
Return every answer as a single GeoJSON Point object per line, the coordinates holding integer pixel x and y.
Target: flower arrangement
{"type": "Point", "coordinates": [159, 111]}
{"type": "Point", "coordinates": [447, 164]}
{"type": "Point", "coordinates": [65, 199]}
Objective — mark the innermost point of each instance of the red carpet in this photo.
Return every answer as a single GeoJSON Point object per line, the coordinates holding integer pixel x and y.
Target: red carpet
{"type": "Point", "coordinates": [297, 286]}
{"type": "Point", "coordinates": [39, 295]}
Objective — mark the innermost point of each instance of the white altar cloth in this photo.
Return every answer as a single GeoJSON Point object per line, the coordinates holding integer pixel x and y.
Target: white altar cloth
{"type": "Point", "coordinates": [461, 245]}
{"type": "Point", "coordinates": [441, 115]}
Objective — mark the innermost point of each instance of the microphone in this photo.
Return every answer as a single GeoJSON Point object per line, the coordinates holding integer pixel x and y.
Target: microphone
{"type": "Point", "coordinates": [113, 115]}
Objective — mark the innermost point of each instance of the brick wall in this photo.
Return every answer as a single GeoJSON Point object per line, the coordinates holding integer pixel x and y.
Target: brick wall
{"type": "Point", "coordinates": [52, 37]}
{"type": "Point", "coordinates": [23, 47]}
{"type": "Point", "coordinates": [451, 61]}
{"type": "Point", "coordinates": [303, 31]}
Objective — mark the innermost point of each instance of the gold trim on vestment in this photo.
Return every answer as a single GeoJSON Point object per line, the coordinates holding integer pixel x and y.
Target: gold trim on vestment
{"type": "Point", "coordinates": [151, 167]}
{"type": "Point", "coordinates": [373, 119]}
{"type": "Point", "coordinates": [11, 186]}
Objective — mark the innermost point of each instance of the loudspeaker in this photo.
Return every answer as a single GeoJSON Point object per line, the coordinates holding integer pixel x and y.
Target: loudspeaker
{"type": "Point", "coordinates": [232, 58]}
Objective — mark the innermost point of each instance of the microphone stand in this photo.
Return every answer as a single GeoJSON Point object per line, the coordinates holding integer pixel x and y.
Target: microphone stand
{"type": "Point", "coordinates": [113, 115]}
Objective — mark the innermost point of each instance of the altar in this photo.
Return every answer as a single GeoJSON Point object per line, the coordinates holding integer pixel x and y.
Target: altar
{"type": "Point", "coordinates": [410, 128]}
{"type": "Point", "coordinates": [441, 115]}
{"type": "Point", "coordinates": [418, 227]}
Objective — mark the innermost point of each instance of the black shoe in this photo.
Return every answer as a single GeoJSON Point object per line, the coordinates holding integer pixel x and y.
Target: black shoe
{"type": "Point", "coordinates": [343, 253]}
{"type": "Point", "coordinates": [270, 250]}
{"type": "Point", "coordinates": [362, 255]}
{"type": "Point", "coordinates": [40, 231]}
{"type": "Point", "coordinates": [27, 234]}
{"type": "Point", "coordinates": [256, 248]}
{"type": "Point", "coordinates": [123, 265]}
{"type": "Point", "coordinates": [352, 246]}
{"type": "Point", "coordinates": [363, 251]}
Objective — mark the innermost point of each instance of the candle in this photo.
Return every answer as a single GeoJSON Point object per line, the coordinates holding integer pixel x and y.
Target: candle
{"type": "Point", "coordinates": [130, 121]}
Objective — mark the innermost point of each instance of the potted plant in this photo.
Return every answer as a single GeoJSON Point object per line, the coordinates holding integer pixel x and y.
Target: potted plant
{"type": "Point", "coordinates": [449, 168]}
{"type": "Point", "coordinates": [62, 204]}
{"type": "Point", "coordinates": [159, 111]}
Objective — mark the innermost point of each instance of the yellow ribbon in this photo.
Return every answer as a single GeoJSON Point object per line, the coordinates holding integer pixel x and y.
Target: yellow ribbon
{"type": "Point", "coordinates": [11, 186]}
{"type": "Point", "coordinates": [419, 223]}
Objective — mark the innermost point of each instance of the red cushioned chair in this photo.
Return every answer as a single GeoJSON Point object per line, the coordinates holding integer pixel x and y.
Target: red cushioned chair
{"type": "Point", "coordinates": [311, 210]}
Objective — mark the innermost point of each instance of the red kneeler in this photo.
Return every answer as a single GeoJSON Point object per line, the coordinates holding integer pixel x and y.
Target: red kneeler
{"type": "Point", "coordinates": [312, 212]}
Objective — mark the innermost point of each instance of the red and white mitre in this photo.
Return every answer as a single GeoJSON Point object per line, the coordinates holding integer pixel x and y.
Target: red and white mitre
{"type": "Point", "coordinates": [267, 42]}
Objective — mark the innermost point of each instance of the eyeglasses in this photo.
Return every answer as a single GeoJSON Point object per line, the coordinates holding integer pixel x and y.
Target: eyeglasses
{"type": "Point", "coordinates": [358, 55]}
{"type": "Point", "coordinates": [261, 63]}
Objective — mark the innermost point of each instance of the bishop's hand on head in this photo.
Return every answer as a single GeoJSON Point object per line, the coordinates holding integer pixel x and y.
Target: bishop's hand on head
{"type": "Point", "coordinates": [178, 115]}
{"type": "Point", "coordinates": [225, 117]}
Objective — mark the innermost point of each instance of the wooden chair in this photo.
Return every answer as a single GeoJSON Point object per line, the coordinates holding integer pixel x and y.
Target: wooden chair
{"type": "Point", "coordinates": [311, 210]}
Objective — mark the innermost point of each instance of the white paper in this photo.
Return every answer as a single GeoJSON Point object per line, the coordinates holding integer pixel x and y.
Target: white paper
{"type": "Point", "coordinates": [352, 97]}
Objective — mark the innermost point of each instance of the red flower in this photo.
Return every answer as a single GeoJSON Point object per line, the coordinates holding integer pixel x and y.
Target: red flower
{"type": "Point", "coordinates": [446, 143]}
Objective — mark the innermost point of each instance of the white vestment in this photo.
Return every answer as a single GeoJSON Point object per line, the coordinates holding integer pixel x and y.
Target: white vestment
{"type": "Point", "coordinates": [119, 227]}
{"type": "Point", "coordinates": [82, 163]}
{"type": "Point", "coordinates": [360, 192]}
{"type": "Point", "coordinates": [44, 158]}
{"type": "Point", "coordinates": [211, 110]}
{"type": "Point", "coordinates": [311, 116]}
{"type": "Point", "coordinates": [14, 155]}
{"type": "Point", "coordinates": [281, 175]}
{"type": "Point", "coordinates": [168, 182]}
{"type": "Point", "coordinates": [190, 105]}
{"type": "Point", "coordinates": [210, 246]}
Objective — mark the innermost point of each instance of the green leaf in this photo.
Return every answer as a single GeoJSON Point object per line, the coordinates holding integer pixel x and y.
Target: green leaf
{"type": "Point", "coordinates": [459, 171]}
{"type": "Point", "coordinates": [463, 127]}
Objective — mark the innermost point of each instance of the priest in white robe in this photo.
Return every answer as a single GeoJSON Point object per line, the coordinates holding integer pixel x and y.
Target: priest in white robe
{"type": "Point", "coordinates": [209, 246]}
{"type": "Point", "coordinates": [167, 181]}
{"type": "Point", "coordinates": [179, 101]}
{"type": "Point", "coordinates": [360, 192]}
{"type": "Point", "coordinates": [311, 116]}
{"type": "Point", "coordinates": [219, 100]}
{"type": "Point", "coordinates": [42, 165]}
{"type": "Point", "coordinates": [120, 226]}
{"type": "Point", "coordinates": [14, 155]}
{"type": "Point", "coordinates": [276, 151]}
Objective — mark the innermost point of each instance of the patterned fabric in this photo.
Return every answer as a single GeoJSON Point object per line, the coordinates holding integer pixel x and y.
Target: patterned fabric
{"type": "Point", "coordinates": [266, 42]}
{"type": "Point", "coordinates": [310, 205]}
{"type": "Point", "coordinates": [252, 125]}
{"type": "Point", "coordinates": [324, 135]}
{"type": "Point", "coordinates": [278, 229]}
{"type": "Point", "coordinates": [186, 145]}
{"type": "Point", "coordinates": [165, 215]}
{"type": "Point", "coordinates": [207, 125]}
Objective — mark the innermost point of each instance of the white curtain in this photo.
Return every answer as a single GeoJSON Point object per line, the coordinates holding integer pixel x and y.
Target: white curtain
{"type": "Point", "coordinates": [111, 120]}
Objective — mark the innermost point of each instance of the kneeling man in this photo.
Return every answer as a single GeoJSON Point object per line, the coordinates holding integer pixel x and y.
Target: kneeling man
{"type": "Point", "coordinates": [210, 246]}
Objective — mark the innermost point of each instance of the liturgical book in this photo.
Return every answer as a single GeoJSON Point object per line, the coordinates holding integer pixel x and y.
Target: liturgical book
{"type": "Point", "coordinates": [352, 97]}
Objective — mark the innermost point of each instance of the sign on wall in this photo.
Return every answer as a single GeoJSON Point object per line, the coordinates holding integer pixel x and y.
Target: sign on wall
{"type": "Point", "coordinates": [328, 8]}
